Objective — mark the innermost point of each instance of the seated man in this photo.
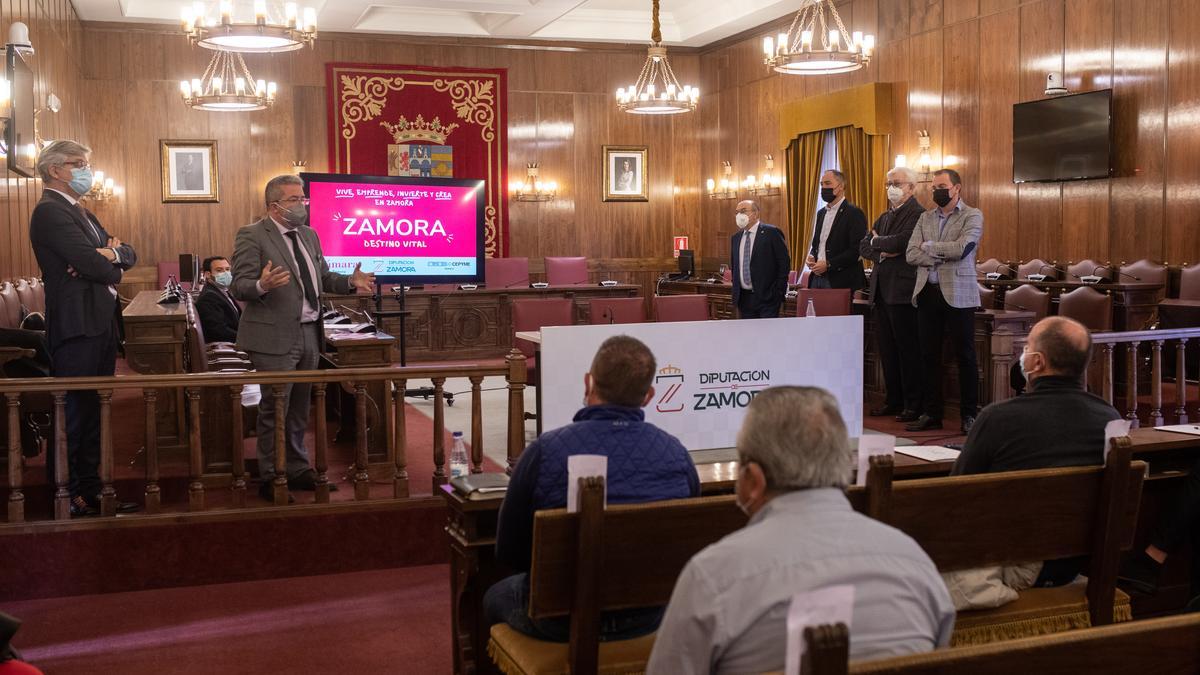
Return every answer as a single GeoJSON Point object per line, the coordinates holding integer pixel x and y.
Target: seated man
{"type": "Point", "coordinates": [645, 464]}
{"type": "Point", "coordinates": [1177, 523]}
{"type": "Point", "coordinates": [219, 312]}
{"type": "Point", "coordinates": [728, 613]}
{"type": "Point", "coordinates": [1056, 423]}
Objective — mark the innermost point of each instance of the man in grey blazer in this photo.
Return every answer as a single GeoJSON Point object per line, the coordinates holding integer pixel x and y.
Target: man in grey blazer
{"type": "Point", "coordinates": [279, 273]}
{"type": "Point", "coordinates": [946, 295]}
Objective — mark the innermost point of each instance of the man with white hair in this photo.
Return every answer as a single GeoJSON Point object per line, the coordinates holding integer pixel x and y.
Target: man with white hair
{"type": "Point", "coordinates": [728, 613]}
{"type": "Point", "coordinates": [891, 285]}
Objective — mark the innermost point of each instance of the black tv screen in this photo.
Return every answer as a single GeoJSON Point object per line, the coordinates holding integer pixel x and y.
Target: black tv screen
{"type": "Point", "coordinates": [1064, 138]}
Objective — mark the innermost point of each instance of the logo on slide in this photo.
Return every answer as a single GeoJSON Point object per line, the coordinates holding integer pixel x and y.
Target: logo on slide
{"type": "Point", "coordinates": [718, 390]}
{"type": "Point", "coordinates": [673, 376]}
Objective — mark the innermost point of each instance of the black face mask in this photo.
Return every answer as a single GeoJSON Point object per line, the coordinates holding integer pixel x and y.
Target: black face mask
{"type": "Point", "coordinates": [827, 195]}
{"type": "Point", "coordinates": [941, 196]}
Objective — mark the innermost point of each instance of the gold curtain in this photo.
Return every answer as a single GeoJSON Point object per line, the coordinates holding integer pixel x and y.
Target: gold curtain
{"type": "Point", "coordinates": [803, 164]}
{"type": "Point", "coordinates": [864, 159]}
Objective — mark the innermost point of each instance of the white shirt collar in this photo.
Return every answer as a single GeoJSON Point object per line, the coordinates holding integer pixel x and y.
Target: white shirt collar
{"type": "Point", "coordinates": [833, 205]}
{"type": "Point", "coordinates": [73, 201]}
{"type": "Point", "coordinates": [753, 229]}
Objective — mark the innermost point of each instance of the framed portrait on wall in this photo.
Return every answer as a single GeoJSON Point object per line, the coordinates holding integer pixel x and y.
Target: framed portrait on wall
{"type": "Point", "coordinates": [625, 174]}
{"type": "Point", "coordinates": [189, 171]}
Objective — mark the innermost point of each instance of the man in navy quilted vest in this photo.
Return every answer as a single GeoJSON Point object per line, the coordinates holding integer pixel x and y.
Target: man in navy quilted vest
{"type": "Point", "coordinates": [645, 464]}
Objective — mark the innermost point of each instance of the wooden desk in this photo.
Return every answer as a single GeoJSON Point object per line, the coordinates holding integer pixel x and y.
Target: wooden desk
{"type": "Point", "coordinates": [471, 324]}
{"type": "Point", "coordinates": [1135, 304]}
{"type": "Point", "coordinates": [720, 297]}
{"type": "Point", "coordinates": [471, 532]}
{"type": "Point", "coordinates": [154, 345]}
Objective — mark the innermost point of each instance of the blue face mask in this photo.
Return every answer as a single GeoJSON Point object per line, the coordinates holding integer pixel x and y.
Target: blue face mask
{"type": "Point", "coordinates": [81, 180]}
{"type": "Point", "coordinates": [223, 279]}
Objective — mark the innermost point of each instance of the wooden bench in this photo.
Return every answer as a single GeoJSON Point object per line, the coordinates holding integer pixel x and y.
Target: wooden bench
{"type": "Point", "coordinates": [1166, 645]}
{"type": "Point", "coordinates": [617, 558]}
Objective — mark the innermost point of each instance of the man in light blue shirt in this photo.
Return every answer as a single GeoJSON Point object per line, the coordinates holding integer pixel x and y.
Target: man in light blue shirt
{"type": "Point", "coordinates": [728, 613]}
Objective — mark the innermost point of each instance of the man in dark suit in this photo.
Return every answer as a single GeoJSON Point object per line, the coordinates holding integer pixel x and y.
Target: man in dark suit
{"type": "Point", "coordinates": [759, 259]}
{"type": "Point", "coordinates": [280, 272]}
{"type": "Point", "coordinates": [81, 265]}
{"type": "Point", "coordinates": [833, 257]}
{"type": "Point", "coordinates": [891, 285]}
{"type": "Point", "coordinates": [219, 312]}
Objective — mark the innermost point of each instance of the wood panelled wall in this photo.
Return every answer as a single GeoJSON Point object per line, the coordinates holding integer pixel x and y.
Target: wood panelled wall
{"type": "Point", "coordinates": [57, 35]}
{"type": "Point", "coordinates": [958, 66]}
{"type": "Point", "coordinates": [560, 114]}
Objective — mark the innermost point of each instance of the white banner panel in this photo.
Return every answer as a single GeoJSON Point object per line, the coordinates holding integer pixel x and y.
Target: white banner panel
{"type": "Point", "coordinates": [709, 371]}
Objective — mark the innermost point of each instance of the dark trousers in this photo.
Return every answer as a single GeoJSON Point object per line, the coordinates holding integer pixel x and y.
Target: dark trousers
{"type": "Point", "coordinates": [899, 354]}
{"type": "Point", "coordinates": [508, 602]}
{"type": "Point", "coordinates": [750, 306]}
{"type": "Point", "coordinates": [937, 320]}
{"type": "Point", "coordinates": [83, 357]}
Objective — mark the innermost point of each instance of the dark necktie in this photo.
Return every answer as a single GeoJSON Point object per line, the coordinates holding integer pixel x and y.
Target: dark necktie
{"type": "Point", "coordinates": [92, 226]}
{"type": "Point", "coordinates": [310, 293]}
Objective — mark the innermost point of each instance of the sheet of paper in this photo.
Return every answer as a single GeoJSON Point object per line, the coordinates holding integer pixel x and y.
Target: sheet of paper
{"type": "Point", "coordinates": [1114, 429]}
{"type": "Point", "coordinates": [929, 453]}
{"type": "Point", "coordinates": [830, 605]}
{"type": "Point", "coordinates": [868, 445]}
{"type": "Point", "coordinates": [1192, 429]}
{"type": "Point", "coordinates": [583, 466]}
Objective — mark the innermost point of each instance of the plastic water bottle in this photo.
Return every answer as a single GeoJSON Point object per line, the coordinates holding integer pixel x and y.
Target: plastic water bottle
{"type": "Point", "coordinates": [811, 310]}
{"type": "Point", "coordinates": [458, 457]}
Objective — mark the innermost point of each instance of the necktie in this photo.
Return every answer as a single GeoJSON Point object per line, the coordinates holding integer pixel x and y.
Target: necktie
{"type": "Point", "coordinates": [747, 250]}
{"type": "Point", "coordinates": [310, 293]}
{"type": "Point", "coordinates": [95, 232]}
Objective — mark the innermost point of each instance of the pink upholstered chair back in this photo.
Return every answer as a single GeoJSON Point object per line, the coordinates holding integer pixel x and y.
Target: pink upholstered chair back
{"type": "Point", "coordinates": [681, 308]}
{"type": "Point", "coordinates": [25, 294]}
{"type": "Point", "coordinates": [618, 310]}
{"type": "Point", "coordinates": [567, 271]}
{"type": "Point", "coordinates": [826, 301]}
{"type": "Point", "coordinates": [10, 306]}
{"type": "Point", "coordinates": [992, 265]}
{"type": "Point", "coordinates": [1088, 267]}
{"type": "Point", "coordinates": [793, 278]}
{"type": "Point", "coordinates": [1143, 271]}
{"type": "Point", "coordinates": [1189, 283]}
{"type": "Point", "coordinates": [39, 294]}
{"type": "Point", "coordinates": [1087, 306]}
{"type": "Point", "coordinates": [537, 313]}
{"type": "Point", "coordinates": [987, 297]}
{"type": "Point", "coordinates": [1038, 266]}
{"type": "Point", "coordinates": [728, 276]}
{"type": "Point", "coordinates": [1028, 298]}
{"type": "Point", "coordinates": [506, 272]}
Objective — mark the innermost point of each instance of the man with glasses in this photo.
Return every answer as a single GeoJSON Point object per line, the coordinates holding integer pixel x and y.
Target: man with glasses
{"type": "Point", "coordinates": [759, 259]}
{"type": "Point", "coordinates": [891, 286]}
{"type": "Point", "coordinates": [81, 266]}
{"type": "Point", "coordinates": [279, 272]}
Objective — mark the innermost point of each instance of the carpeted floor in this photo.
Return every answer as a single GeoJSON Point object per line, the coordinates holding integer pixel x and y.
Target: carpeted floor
{"type": "Point", "coordinates": [385, 621]}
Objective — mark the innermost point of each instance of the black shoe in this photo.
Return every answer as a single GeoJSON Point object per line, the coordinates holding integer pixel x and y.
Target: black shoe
{"type": "Point", "coordinates": [967, 423]}
{"type": "Point", "coordinates": [266, 490]}
{"type": "Point", "coordinates": [908, 416]}
{"type": "Point", "coordinates": [1140, 572]}
{"type": "Point", "coordinates": [122, 507]}
{"type": "Point", "coordinates": [924, 423]}
{"type": "Point", "coordinates": [885, 411]}
{"type": "Point", "coordinates": [80, 508]}
{"type": "Point", "coordinates": [307, 481]}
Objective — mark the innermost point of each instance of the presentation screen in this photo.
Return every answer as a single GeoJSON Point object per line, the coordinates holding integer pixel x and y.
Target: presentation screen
{"type": "Point", "coordinates": [404, 229]}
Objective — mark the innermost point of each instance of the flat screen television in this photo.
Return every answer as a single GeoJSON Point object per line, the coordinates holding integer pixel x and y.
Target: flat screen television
{"type": "Point", "coordinates": [1064, 138]}
{"type": "Point", "coordinates": [404, 229]}
{"type": "Point", "coordinates": [19, 134]}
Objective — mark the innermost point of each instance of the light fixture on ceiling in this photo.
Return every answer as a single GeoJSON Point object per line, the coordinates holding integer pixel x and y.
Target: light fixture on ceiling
{"type": "Point", "coordinates": [298, 166]}
{"type": "Point", "coordinates": [726, 188]}
{"type": "Point", "coordinates": [533, 189]}
{"type": "Point", "coordinates": [227, 86]}
{"type": "Point", "coordinates": [296, 29]}
{"type": "Point", "coordinates": [647, 96]}
{"type": "Point", "coordinates": [840, 51]}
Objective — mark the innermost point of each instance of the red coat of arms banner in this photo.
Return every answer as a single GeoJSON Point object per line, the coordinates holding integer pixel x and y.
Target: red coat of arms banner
{"type": "Point", "coordinates": [424, 121]}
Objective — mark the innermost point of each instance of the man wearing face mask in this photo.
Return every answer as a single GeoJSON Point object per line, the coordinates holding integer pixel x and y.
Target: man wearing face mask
{"type": "Point", "coordinates": [280, 273]}
{"type": "Point", "coordinates": [81, 266]}
{"type": "Point", "coordinates": [840, 226]}
{"type": "Point", "coordinates": [728, 612]}
{"type": "Point", "coordinates": [891, 284]}
{"type": "Point", "coordinates": [946, 296]}
{"type": "Point", "coordinates": [219, 312]}
{"type": "Point", "coordinates": [758, 257]}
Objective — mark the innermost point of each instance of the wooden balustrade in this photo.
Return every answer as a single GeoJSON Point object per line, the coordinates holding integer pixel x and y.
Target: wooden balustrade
{"type": "Point", "coordinates": [275, 392]}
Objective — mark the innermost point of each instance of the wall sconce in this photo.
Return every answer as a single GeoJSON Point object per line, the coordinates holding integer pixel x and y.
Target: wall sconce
{"type": "Point", "coordinates": [768, 184]}
{"type": "Point", "coordinates": [924, 165]}
{"type": "Point", "coordinates": [103, 189]}
{"type": "Point", "coordinates": [298, 166]}
{"type": "Point", "coordinates": [533, 189]}
{"type": "Point", "coordinates": [726, 188]}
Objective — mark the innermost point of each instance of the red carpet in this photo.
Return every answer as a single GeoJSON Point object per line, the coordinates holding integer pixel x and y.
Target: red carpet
{"type": "Point", "coordinates": [385, 621]}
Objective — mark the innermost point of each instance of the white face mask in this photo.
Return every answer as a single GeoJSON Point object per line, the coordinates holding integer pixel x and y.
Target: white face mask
{"type": "Point", "coordinates": [742, 220]}
{"type": "Point", "coordinates": [895, 193]}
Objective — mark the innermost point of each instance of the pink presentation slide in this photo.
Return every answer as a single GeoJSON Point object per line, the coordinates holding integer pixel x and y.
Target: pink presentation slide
{"type": "Point", "coordinates": [396, 230]}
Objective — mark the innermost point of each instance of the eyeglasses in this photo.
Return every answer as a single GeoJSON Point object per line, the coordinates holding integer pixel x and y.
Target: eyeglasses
{"type": "Point", "coordinates": [745, 211]}
{"type": "Point", "coordinates": [294, 200]}
{"type": "Point", "coordinates": [894, 183]}
{"type": "Point", "coordinates": [78, 164]}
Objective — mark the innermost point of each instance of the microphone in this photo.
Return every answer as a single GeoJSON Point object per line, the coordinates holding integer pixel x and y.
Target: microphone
{"type": "Point", "coordinates": [993, 276]}
{"type": "Point", "coordinates": [1039, 276]}
{"type": "Point", "coordinates": [1091, 278]}
{"type": "Point", "coordinates": [1056, 269]}
{"type": "Point", "coordinates": [1131, 276]}
{"type": "Point", "coordinates": [1021, 307]}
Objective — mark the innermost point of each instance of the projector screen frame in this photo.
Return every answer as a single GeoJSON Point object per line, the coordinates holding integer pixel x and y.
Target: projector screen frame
{"type": "Point", "coordinates": [479, 184]}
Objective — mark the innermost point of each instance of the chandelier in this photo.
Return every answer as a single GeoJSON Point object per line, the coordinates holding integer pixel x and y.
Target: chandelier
{"type": "Point", "coordinates": [227, 85]}
{"type": "Point", "coordinates": [646, 96]}
{"type": "Point", "coordinates": [259, 35]}
{"type": "Point", "coordinates": [839, 51]}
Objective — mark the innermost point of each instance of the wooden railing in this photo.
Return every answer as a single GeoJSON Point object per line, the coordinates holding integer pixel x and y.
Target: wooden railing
{"type": "Point", "coordinates": [11, 390]}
